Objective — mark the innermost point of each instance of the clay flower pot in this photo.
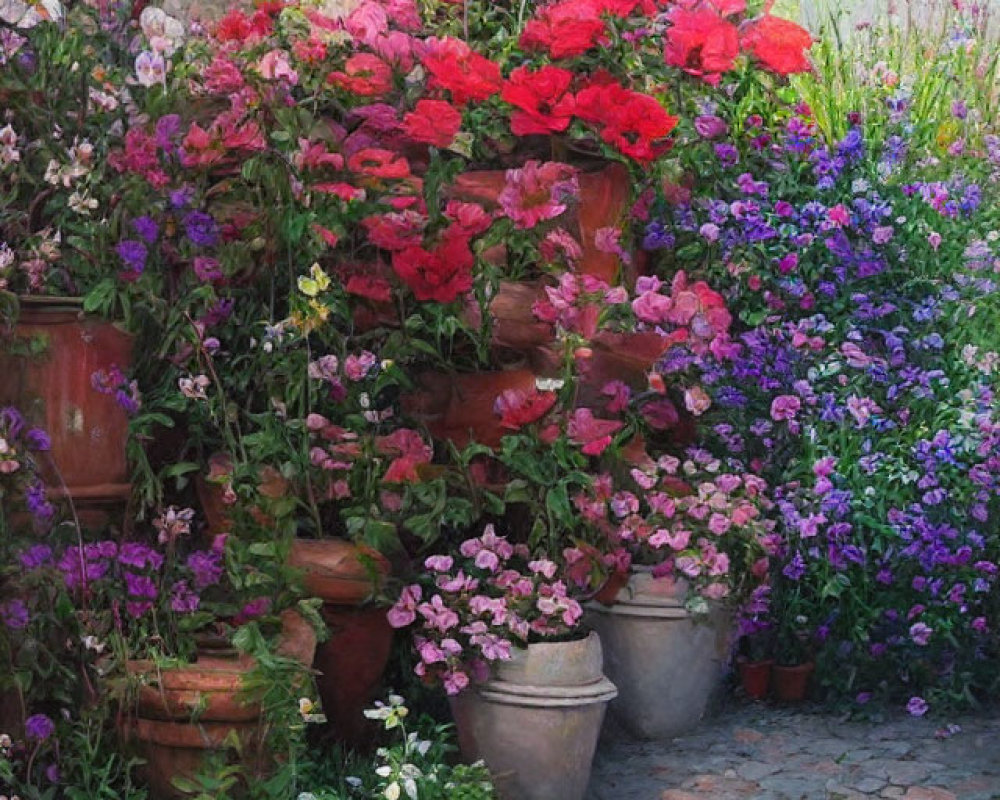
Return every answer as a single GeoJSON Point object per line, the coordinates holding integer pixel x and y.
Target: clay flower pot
{"type": "Point", "coordinates": [665, 663]}
{"type": "Point", "coordinates": [53, 389]}
{"type": "Point", "coordinates": [536, 723]}
{"type": "Point", "coordinates": [790, 684]}
{"type": "Point", "coordinates": [755, 676]}
{"type": "Point", "coordinates": [351, 662]}
{"type": "Point", "coordinates": [185, 714]}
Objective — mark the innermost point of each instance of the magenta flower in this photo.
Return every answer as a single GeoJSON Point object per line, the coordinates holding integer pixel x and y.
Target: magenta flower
{"type": "Point", "coordinates": [917, 706]}
{"type": "Point", "coordinates": [921, 633]}
{"type": "Point", "coordinates": [785, 407]}
{"type": "Point", "coordinates": [39, 727]}
{"type": "Point", "coordinates": [404, 612]}
{"type": "Point", "coordinates": [538, 192]}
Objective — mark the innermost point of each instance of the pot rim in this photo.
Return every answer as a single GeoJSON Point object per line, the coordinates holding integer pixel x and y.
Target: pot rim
{"type": "Point", "coordinates": [519, 694]}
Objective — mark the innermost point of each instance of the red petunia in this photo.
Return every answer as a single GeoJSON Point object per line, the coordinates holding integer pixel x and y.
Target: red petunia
{"type": "Point", "coordinates": [455, 67]}
{"type": "Point", "coordinates": [395, 230]}
{"type": "Point", "coordinates": [433, 122]}
{"type": "Point", "coordinates": [778, 44]}
{"type": "Point", "coordinates": [591, 434]}
{"type": "Point", "coordinates": [369, 287]}
{"type": "Point", "coordinates": [440, 274]}
{"type": "Point", "coordinates": [701, 43]}
{"type": "Point", "coordinates": [517, 408]}
{"type": "Point", "coordinates": [237, 27]}
{"type": "Point", "coordinates": [565, 29]}
{"type": "Point", "coordinates": [633, 122]}
{"type": "Point", "coordinates": [364, 74]}
{"type": "Point", "coordinates": [378, 163]}
{"type": "Point", "coordinates": [543, 101]}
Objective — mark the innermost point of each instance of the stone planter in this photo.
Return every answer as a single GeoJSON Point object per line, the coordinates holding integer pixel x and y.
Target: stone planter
{"type": "Point", "coordinates": [53, 389]}
{"type": "Point", "coordinates": [536, 723]}
{"type": "Point", "coordinates": [664, 663]}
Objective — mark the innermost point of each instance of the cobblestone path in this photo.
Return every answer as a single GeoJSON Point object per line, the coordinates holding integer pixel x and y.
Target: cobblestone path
{"type": "Point", "coordinates": [777, 754]}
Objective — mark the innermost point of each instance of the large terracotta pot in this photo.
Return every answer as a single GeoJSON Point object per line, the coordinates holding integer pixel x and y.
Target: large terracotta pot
{"type": "Point", "coordinates": [185, 714]}
{"type": "Point", "coordinates": [664, 662]}
{"type": "Point", "coordinates": [461, 407]}
{"type": "Point", "coordinates": [88, 429]}
{"type": "Point", "coordinates": [604, 196]}
{"type": "Point", "coordinates": [536, 723]}
{"type": "Point", "coordinates": [351, 662]}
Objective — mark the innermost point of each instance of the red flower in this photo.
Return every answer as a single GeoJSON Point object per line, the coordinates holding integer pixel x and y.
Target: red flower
{"type": "Point", "coordinates": [369, 287]}
{"type": "Point", "coordinates": [433, 122]}
{"type": "Point", "coordinates": [517, 409]}
{"type": "Point", "coordinates": [701, 43]}
{"type": "Point", "coordinates": [543, 102]}
{"type": "Point", "coordinates": [778, 44]}
{"type": "Point", "coordinates": [633, 122]}
{"type": "Point", "coordinates": [344, 191]}
{"type": "Point", "coordinates": [440, 274]}
{"type": "Point", "coordinates": [565, 29]}
{"type": "Point", "coordinates": [454, 66]}
{"type": "Point", "coordinates": [237, 27]}
{"type": "Point", "coordinates": [378, 163]}
{"type": "Point", "coordinates": [395, 230]}
{"type": "Point", "coordinates": [364, 74]}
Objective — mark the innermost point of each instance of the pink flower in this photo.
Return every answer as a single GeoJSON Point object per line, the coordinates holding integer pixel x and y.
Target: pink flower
{"type": "Point", "coordinates": [274, 66]}
{"type": "Point", "coordinates": [543, 567]}
{"type": "Point", "coordinates": [652, 307]}
{"type": "Point", "coordinates": [785, 407]}
{"type": "Point", "coordinates": [839, 215]}
{"type": "Point", "coordinates": [676, 540]}
{"type": "Point", "coordinates": [696, 400]}
{"type": "Point", "coordinates": [455, 681]}
{"type": "Point", "coordinates": [429, 652]}
{"type": "Point", "coordinates": [538, 192]}
{"type": "Point", "coordinates": [934, 240]}
{"type": "Point", "coordinates": [719, 524]}
{"type": "Point", "coordinates": [593, 434]}
{"type": "Point", "coordinates": [439, 563]}
{"type": "Point", "coordinates": [403, 613]}
{"type": "Point", "coordinates": [438, 616]}
{"type": "Point", "coordinates": [357, 367]}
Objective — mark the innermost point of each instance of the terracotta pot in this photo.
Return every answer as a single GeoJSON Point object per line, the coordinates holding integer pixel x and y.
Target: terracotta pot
{"type": "Point", "coordinates": [88, 429]}
{"type": "Point", "coordinates": [604, 196]}
{"type": "Point", "coordinates": [460, 407]}
{"type": "Point", "coordinates": [755, 677]}
{"type": "Point", "coordinates": [337, 571]}
{"type": "Point", "coordinates": [665, 663]}
{"type": "Point", "coordinates": [350, 665]}
{"type": "Point", "coordinates": [790, 684]}
{"type": "Point", "coordinates": [184, 714]}
{"type": "Point", "coordinates": [536, 723]}
{"type": "Point", "coordinates": [351, 662]}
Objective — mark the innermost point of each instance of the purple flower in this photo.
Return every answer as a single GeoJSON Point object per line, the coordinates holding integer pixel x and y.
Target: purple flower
{"type": "Point", "coordinates": [181, 198]}
{"type": "Point", "coordinates": [140, 586]}
{"type": "Point", "coordinates": [133, 255]}
{"type": "Point", "coordinates": [136, 608]}
{"type": "Point", "coordinates": [140, 556]}
{"type": "Point", "coordinates": [796, 568]}
{"type": "Point", "coordinates": [146, 228]}
{"type": "Point", "coordinates": [39, 727]}
{"type": "Point", "coordinates": [34, 498]}
{"type": "Point", "coordinates": [201, 228]}
{"type": "Point", "coordinates": [38, 555]}
{"type": "Point", "coordinates": [255, 608]}
{"type": "Point", "coordinates": [182, 599]}
{"type": "Point", "coordinates": [207, 568]}
{"type": "Point", "coordinates": [920, 633]}
{"type": "Point", "coordinates": [167, 127]}
{"type": "Point", "coordinates": [207, 269]}
{"type": "Point", "coordinates": [38, 440]}
{"type": "Point", "coordinates": [917, 706]}
{"type": "Point", "coordinates": [14, 614]}
{"type": "Point", "coordinates": [710, 127]}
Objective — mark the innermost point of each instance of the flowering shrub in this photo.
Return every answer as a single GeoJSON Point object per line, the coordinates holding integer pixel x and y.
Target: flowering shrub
{"type": "Point", "coordinates": [857, 387]}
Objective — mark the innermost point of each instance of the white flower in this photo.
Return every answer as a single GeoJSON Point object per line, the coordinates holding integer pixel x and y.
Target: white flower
{"type": "Point", "coordinates": [82, 203]}
{"type": "Point", "coordinates": [165, 33]}
{"type": "Point", "coordinates": [28, 15]}
{"type": "Point", "coordinates": [150, 68]}
{"type": "Point", "coordinates": [8, 146]}
{"type": "Point", "coordinates": [392, 791]}
{"type": "Point", "coordinates": [194, 388]}
{"type": "Point", "coordinates": [93, 643]}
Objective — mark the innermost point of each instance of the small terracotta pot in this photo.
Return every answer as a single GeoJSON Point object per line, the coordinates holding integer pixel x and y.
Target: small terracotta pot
{"type": "Point", "coordinates": [338, 571]}
{"type": "Point", "coordinates": [755, 677]}
{"type": "Point", "coordinates": [536, 723]}
{"type": "Point", "coordinates": [88, 429]}
{"type": "Point", "coordinates": [790, 684]}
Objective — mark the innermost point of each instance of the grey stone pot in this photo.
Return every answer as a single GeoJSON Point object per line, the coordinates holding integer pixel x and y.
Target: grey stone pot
{"type": "Point", "coordinates": [665, 663]}
{"type": "Point", "coordinates": [536, 724]}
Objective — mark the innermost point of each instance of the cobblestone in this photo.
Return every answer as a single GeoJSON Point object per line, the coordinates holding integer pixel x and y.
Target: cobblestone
{"type": "Point", "coordinates": [755, 752]}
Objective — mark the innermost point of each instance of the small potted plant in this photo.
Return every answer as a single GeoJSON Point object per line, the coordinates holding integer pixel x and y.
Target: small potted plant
{"type": "Point", "coordinates": [755, 650]}
{"type": "Point", "coordinates": [793, 665]}
{"type": "Point", "coordinates": [502, 633]}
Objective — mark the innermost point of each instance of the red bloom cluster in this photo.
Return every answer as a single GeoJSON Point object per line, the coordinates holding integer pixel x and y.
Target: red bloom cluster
{"type": "Point", "coordinates": [238, 27]}
{"type": "Point", "coordinates": [701, 43]}
{"type": "Point", "coordinates": [458, 69]}
{"type": "Point", "coordinates": [565, 29]}
{"type": "Point", "coordinates": [433, 122]}
{"type": "Point", "coordinates": [542, 98]}
{"type": "Point", "coordinates": [440, 274]}
{"type": "Point", "coordinates": [633, 122]}
{"type": "Point", "coordinates": [517, 409]}
{"type": "Point", "coordinates": [779, 45]}
{"type": "Point", "coordinates": [364, 74]}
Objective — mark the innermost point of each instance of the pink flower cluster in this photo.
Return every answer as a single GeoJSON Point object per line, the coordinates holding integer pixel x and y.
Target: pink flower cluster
{"type": "Point", "coordinates": [690, 519]}
{"type": "Point", "coordinates": [471, 608]}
